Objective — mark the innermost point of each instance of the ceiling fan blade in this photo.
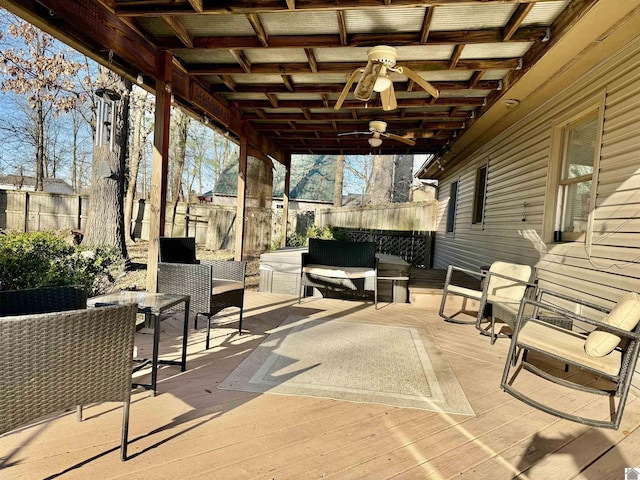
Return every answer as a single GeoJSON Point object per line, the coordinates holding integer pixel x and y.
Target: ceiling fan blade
{"type": "Point", "coordinates": [388, 98]}
{"type": "Point", "coordinates": [354, 133]}
{"type": "Point", "coordinates": [364, 88]}
{"type": "Point", "coordinates": [421, 81]}
{"type": "Point", "coordinates": [346, 88]}
{"type": "Point", "coordinates": [408, 141]}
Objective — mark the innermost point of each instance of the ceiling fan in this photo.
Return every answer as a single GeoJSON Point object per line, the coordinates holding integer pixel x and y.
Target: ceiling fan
{"type": "Point", "coordinates": [377, 129]}
{"type": "Point", "coordinates": [375, 77]}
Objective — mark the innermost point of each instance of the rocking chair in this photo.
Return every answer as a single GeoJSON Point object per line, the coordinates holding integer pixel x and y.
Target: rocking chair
{"type": "Point", "coordinates": [609, 351]}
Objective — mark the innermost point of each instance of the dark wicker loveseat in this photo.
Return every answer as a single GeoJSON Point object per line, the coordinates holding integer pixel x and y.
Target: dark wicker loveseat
{"type": "Point", "coordinates": [339, 264]}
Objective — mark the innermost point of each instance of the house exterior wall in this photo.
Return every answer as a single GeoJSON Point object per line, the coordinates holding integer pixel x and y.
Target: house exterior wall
{"type": "Point", "coordinates": [520, 162]}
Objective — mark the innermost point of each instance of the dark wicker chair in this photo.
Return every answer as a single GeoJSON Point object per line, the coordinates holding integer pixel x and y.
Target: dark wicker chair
{"type": "Point", "coordinates": [42, 300]}
{"type": "Point", "coordinates": [52, 361]}
{"type": "Point", "coordinates": [178, 250]}
{"type": "Point", "coordinates": [606, 348]}
{"type": "Point", "coordinates": [213, 286]}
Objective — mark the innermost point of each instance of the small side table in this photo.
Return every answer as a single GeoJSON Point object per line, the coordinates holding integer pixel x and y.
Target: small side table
{"type": "Point", "coordinates": [152, 305]}
{"type": "Point", "coordinates": [393, 284]}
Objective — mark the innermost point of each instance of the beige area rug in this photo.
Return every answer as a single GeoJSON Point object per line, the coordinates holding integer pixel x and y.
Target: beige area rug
{"type": "Point", "coordinates": [357, 362]}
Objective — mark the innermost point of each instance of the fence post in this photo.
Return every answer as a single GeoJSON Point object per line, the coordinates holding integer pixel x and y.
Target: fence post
{"type": "Point", "coordinates": [26, 212]}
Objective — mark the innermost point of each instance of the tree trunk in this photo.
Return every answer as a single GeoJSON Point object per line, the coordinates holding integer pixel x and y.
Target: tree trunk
{"type": "Point", "coordinates": [178, 149]}
{"type": "Point", "coordinates": [140, 135]}
{"type": "Point", "coordinates": [105, 223]}
{"type": "Point", "coordinates": [337, 189]}
{"type": "Point", "coordinates": [39, 146]}
{"type": "Point", "coordinates": [379, 186]}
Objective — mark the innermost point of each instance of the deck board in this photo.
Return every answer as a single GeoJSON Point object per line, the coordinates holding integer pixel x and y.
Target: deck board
{"type": "Point", "coordinates": [192, 430]}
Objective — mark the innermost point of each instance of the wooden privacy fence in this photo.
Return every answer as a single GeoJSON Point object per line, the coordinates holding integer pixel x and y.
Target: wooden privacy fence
{"type": "Point", "coordinates": [405, 217]}
{"type": "Point", "coordinates": [35, 211]}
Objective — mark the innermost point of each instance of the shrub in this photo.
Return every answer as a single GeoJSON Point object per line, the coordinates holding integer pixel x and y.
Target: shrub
{"type": "Point", "coordinates": [326, 233]}
{"type": "Point", "coordinates": [38, 259]}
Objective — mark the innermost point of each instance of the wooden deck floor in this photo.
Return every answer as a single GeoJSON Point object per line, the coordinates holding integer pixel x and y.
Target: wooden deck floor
{"type": "Point", "coordinates": [192, 430]}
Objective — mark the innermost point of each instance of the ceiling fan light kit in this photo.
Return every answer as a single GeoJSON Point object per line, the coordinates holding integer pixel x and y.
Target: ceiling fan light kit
{"type": "Point", "coordinates": [375, 141]}
{"type": "Point", "coordinates": [375, 77]}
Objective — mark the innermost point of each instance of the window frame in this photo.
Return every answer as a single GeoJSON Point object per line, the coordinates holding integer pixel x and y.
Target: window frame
{"type": "Point", "coordinates": [553, 206]}
{"type": "Point", "coordinates": [480, 196]}
{"type": "Point", "coordinates": [452, 207]}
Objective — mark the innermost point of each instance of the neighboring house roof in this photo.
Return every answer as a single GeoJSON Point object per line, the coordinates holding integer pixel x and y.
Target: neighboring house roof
{"type": "Point", "coordinates": [25, 182]}
{"type": "Point", "coordinates": [312, 178]}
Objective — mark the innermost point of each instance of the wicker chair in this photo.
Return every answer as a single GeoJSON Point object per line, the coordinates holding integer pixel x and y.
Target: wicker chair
{"type": "Point", "coordinates": [503, 283]}
{"type": "Point", "coordinates": [213, 286]}
{"type": "Point", "coordinates": [52, 361]}
{"type": "Point", "coordinates": [608, 351]}
{"type": "Point", "coordinates": [178, 250]}
{"type": "Point", "coordinates": [42, 300]}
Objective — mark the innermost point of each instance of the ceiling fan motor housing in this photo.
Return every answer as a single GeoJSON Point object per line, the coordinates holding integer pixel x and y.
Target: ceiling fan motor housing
{"type": "Point", "coordinates": [378, 126]}
{"type": "Point", "coordinates": [383, 54]}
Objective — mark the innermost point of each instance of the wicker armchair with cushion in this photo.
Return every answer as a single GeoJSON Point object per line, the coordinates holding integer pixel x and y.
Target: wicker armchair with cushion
{"type": "Point", "coordinates": [503, 283]}
{"type": "Point", "coordinates": [212, 284]}
{"type": "Point", "coordinates": [53, 361]}
{"type": "Point", "coordinates": [606, 348]}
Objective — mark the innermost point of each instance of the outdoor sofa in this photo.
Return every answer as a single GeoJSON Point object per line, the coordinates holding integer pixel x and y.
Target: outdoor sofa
{"type": "Point", "coordinates": [339, 264]}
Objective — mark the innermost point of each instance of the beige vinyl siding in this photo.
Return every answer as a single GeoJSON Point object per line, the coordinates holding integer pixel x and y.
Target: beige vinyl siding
{"type": "Point", "coordinates": [600, 270]}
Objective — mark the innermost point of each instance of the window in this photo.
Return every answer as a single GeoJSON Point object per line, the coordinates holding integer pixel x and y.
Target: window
{"type": "Point", "coordinates": [479, 195]}
{"type": "Point", "coordinates": [451, 211]}
{"type": "Point", "coordinates": [575, 184]}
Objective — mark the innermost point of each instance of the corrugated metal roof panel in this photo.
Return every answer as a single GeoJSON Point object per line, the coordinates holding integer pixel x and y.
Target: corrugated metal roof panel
{"type": "Point", "coordinates": [471, 17]}
{"type": "Point", "coordinates": [155, 26]}
{"type": "Point", "coordinates": [205, 56]}
{"type": "Point", "coordinates": [495, 74]}
{"type": "Point", "coordinates": [386, 20]}
{"type": "Point", "coordinates": [424, 52]}
{"type": "Point", "coordinates": [275, 55]}
{"type": "Point", "coordinates": [299, 23]}
{"type": "Point", "coordinates": [495, 50]}
{"type": "Point", "coordinates": [319, 78]}
{"type": "Point", "coordinates": [341, 54]}
{"type": "Point", "coordinates": [253, 78]}
{"type": "Point", "coordinates": [245, 96]}
{"type": "Point", "coordinates": [544, 13]}
{"type": "Point", "coordinates": [215, 25]}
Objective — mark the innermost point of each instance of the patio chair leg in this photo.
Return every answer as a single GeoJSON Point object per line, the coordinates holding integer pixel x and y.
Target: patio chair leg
{"type": "Point", "coordinates": [125, 430]}
{"type": "Point", "coordinates": [206, 346]}
{"type": "Point", "coordinates": [240, 324]}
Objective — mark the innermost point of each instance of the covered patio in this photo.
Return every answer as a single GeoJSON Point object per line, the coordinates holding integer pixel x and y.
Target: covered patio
{"type": "Point", "coordinates": [269, 74]}
{"type": "Point", "coordinates": [192, 429]}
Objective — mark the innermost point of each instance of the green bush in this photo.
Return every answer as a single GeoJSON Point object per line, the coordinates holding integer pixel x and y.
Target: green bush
{"type": "Point", "coordinates": [38, 259]}
{"type": "Point", "coordinates": [326, 233]}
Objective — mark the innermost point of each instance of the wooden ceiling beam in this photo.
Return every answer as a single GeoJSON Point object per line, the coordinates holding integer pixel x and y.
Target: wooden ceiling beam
{"type": "Point", "coordinates": [326, 88]}
{"type": "Point", "coordinates": [348, 67]}
{"type": "Point", "coordinates": [242, 59]}
{"type": "Point", "coordinates": [291, 4]}
{"type": "Point", "coordinates": [258, 28]}
{"type": "Point", "coordinates": [474, 81]}
{"type": "Point", "coordinates": [196, 5]}
{"type": "Point", "coordinates": [426, 24]}
{"type": "Point", "coordinates": [273, 99]}
{"type": "Point", "coordinates": [359, 105]}
{"type": "Point", "coordinates": [150, 8]}
{"type": "Point", "coordinates": [313, 63]}
{"type": "Point", "coordinates": [516, 20]}
{"type": "Point", "coordinates": [307, 113]}
{"type": "Point", "coordinates": [301, 129]}
{"type": "Point", "coordinates": [495, 35]}
{"type": "Point", "coordinates": [286, 79]}
{"type": "Point", "coordinates": [260, 113]}
{"type": "Point", "coordinates": [455, 56]}
{"type": "Point", "coordinates": [227, 80]}
{"type": "Point", "coordinates": [179, 30]}
{"type": "Point", "coordinates": [342, 27]}
{"type": "Point", "coordinates": [345, 117]}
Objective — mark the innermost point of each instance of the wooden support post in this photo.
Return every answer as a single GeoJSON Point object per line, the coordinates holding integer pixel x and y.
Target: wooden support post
{"type": "Point", "coordinates": [158, 194]}
{"type": "Point", "coordinates": [242, 191]}
{"type": "Point", "coordinates": [285, 199]}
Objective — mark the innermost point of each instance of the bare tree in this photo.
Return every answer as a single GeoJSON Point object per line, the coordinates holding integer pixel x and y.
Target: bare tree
{"type": "Point", "coordinates": [141, 105]}
{"type": "Point", "coordinates": [177, 152]}
{"type": "Point", "coordinates": [40, 71]}
{"type": "Point", "coordinates": [105, 223]}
